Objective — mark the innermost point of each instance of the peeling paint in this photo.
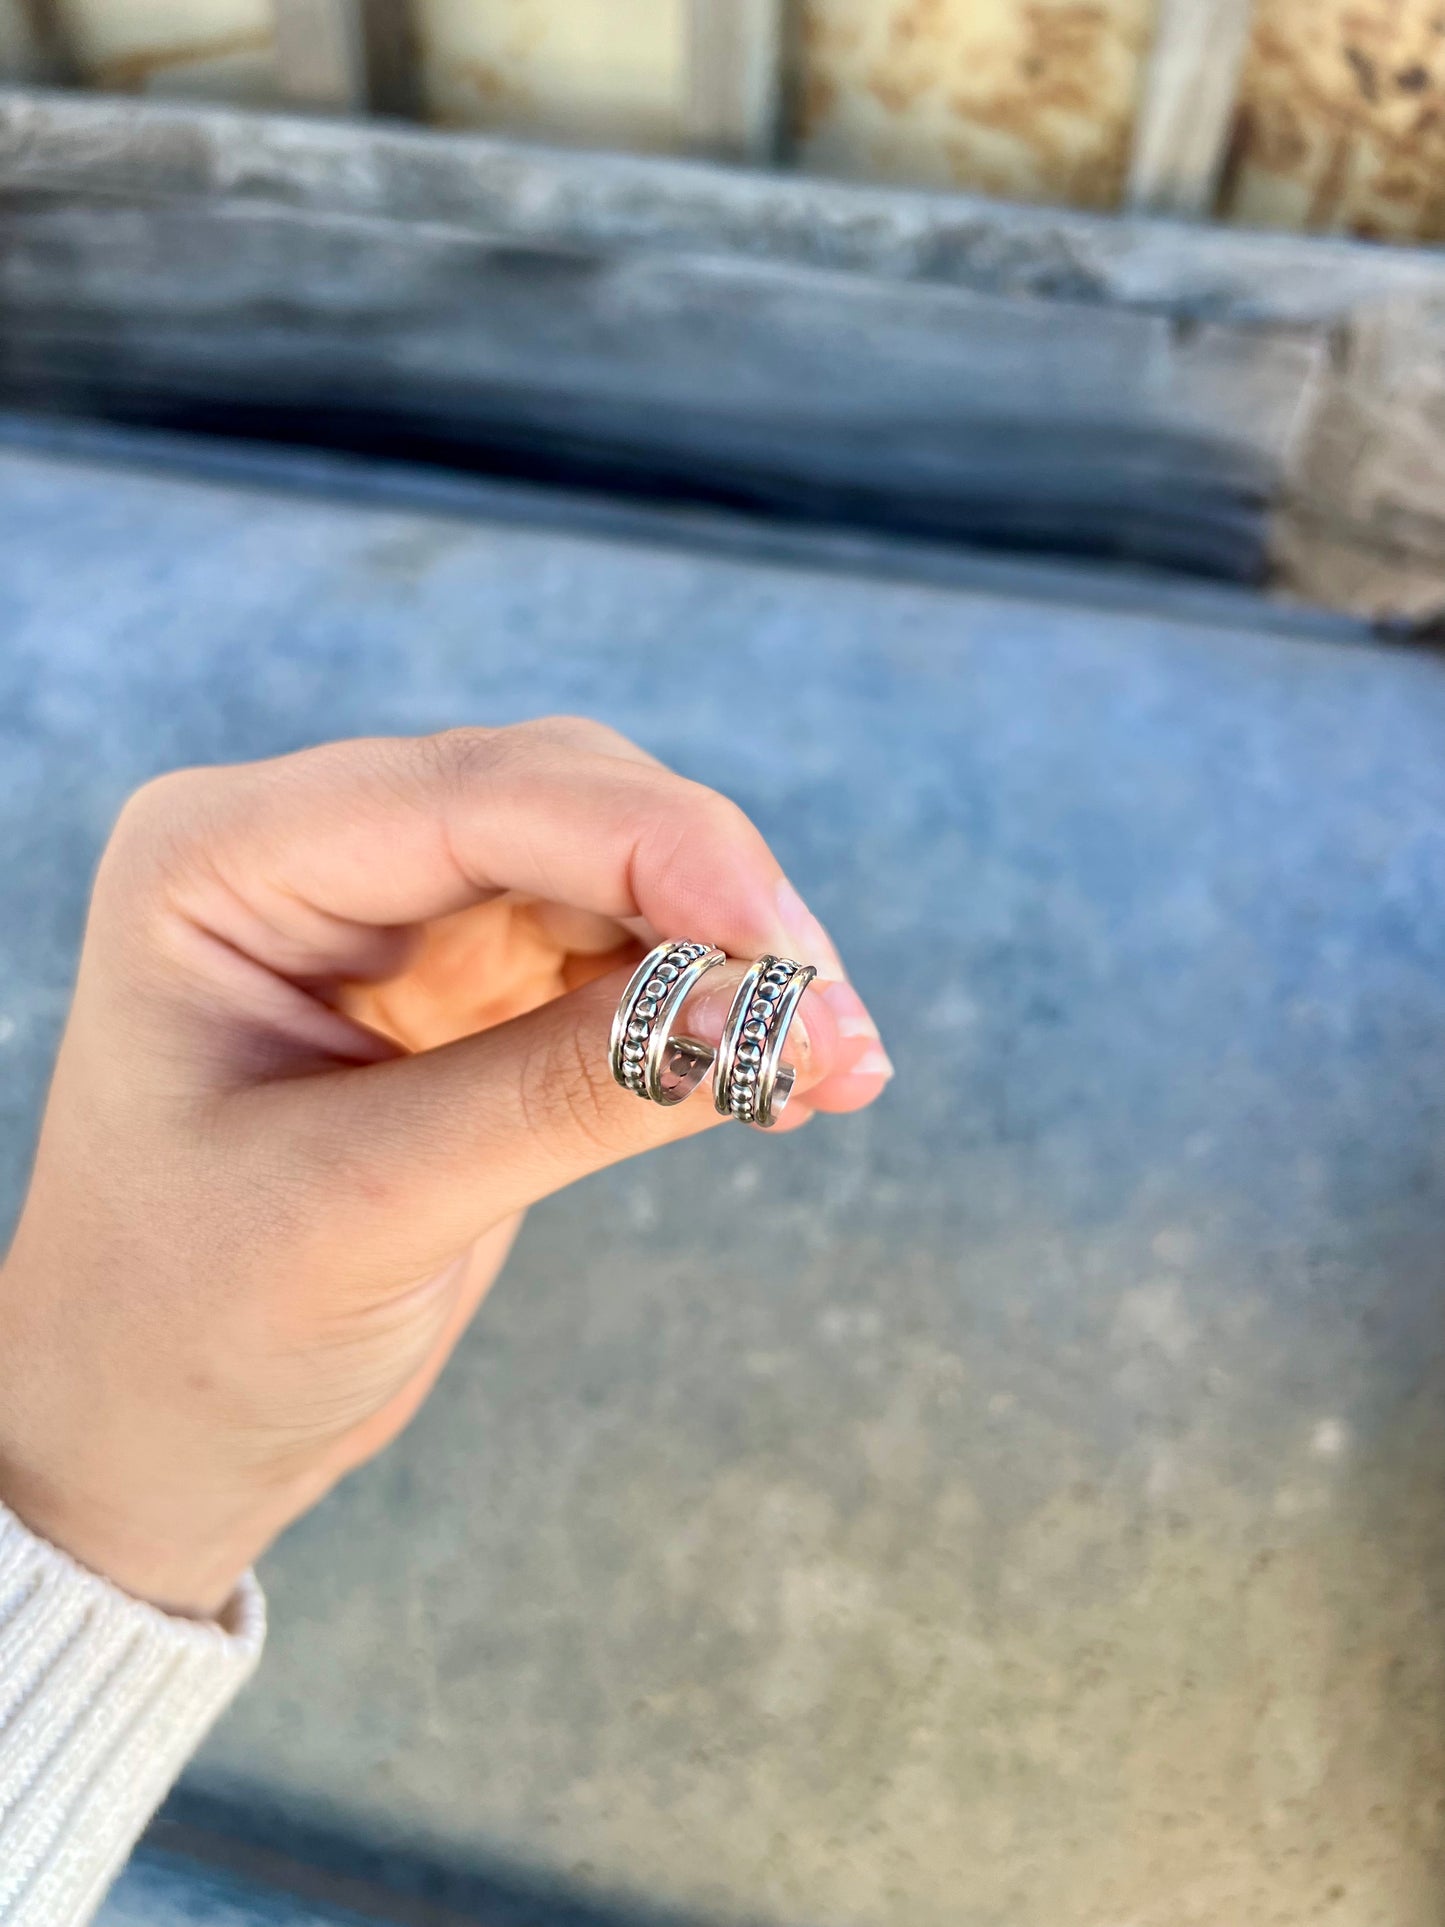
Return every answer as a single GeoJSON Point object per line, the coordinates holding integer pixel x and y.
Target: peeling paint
{"type": "Point", "coordinates": [1027, 99]}
{"type": "Point", "coordinates": [1340, 126]}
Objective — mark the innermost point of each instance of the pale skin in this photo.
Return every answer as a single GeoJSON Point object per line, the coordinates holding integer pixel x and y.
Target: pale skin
{"type": "Point", "coordinates": [340, 1019]}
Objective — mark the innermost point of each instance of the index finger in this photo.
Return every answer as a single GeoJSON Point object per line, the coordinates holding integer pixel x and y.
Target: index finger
{"type": "Point", "coordinates": [299, 862]}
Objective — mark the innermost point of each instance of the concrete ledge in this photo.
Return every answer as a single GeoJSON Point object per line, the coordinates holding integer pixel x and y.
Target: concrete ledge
{"type": "Point", "coordinates": [1252, 408]}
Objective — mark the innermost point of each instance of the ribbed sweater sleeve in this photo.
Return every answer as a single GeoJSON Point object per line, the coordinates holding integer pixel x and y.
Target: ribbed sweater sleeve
{"type": "Point", "coordinates": [102, 1701]}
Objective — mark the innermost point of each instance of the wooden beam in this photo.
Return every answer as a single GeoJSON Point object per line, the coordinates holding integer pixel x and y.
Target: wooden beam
{"type": "Point", "coordinates": [1186, 113]}
{"type": "Point", "coordinates": [732, 81]}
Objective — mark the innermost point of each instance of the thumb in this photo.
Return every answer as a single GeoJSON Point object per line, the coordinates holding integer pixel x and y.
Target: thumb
{"type": "Point", "coordinates": [438, 1147]}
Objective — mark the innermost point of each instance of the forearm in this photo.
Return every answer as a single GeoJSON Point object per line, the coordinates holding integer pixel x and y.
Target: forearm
{"type": "Point", "coordinates": [339, 1019]}
{"type": "Point", "coordinates": [102, 1701]}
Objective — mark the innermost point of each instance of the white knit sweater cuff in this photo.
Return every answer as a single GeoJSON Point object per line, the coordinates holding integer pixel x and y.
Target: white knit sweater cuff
{"type": "Point", "coordinates": [102, 1701]}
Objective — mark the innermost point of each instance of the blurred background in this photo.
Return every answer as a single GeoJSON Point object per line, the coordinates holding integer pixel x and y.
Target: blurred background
{"type": "Point", "coordinates": [1323, 115]}
{"type": "Point", "coordinates": [1003, 445]}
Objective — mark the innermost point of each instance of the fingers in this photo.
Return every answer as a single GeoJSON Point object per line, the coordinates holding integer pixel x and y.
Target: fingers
{"type": "Point", "coordinates": [310, 864]}
{"type": "Point", "coordinates": [467, 972]}
{"type": "Point", "coordinates": [469, 1134]}
{"type": "Point", "coordinates": [862, 1067]}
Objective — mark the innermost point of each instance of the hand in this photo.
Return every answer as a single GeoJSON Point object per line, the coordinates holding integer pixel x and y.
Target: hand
{"type": "Point", "coordinates": [340, 1019]}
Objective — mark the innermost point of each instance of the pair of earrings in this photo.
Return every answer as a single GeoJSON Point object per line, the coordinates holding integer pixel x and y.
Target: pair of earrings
{"type": "Point", "coordinates": [750, 1081]}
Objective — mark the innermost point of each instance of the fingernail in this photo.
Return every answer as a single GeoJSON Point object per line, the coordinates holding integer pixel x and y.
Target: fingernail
{"type": "Point", "coordinates": [873, 1063]}
{"type": "Point", "coordinates": [847, 1010]}
{"type": "Point", "coordinates": [804, 937]}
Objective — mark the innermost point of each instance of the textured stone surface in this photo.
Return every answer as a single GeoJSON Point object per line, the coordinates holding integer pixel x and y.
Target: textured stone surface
{"type": "Point", "coordinates": [1020, 1505]}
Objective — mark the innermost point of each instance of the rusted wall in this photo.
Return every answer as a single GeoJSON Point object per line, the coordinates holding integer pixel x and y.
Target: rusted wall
{"type": "Point", "coordinates": [1341, 119]}
{"type": "Point", "coordinates": [606, 70]}
{"type": "Point", "coordinates": [1029, 99]}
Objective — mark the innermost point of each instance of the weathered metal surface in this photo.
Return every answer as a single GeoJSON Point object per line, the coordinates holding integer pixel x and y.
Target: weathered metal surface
{"type": "Point", "coordinates": [1028, 99]}
{"type": "Point", "coordinates": [1341, 119]}
{"type": "Point", "coordinates": [578, 70]}
{"type": "Point", "coordinates": [1020, 1506]}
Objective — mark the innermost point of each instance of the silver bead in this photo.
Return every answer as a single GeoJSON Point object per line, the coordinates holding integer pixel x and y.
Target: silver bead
{"type": "Point", "coordinates": [637, 1031]}
{"type": "Point", "coordinates": [644, 1007]}
{"type": "Point", "coordinates": [656, 986]}
{"type": "Point", "coordinates": [754, 1031]}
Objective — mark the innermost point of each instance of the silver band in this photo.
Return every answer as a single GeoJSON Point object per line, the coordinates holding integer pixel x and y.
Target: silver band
{"type": "Point", "coordinates": [644, 1056]}
{"type": "Point", "coordinates": [750, 1080]}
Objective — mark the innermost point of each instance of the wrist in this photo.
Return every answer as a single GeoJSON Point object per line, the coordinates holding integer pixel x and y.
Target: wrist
{"type": "Point", "coordinates": [191, 1578]}
{"type": "Point", "coordinates": [114, 1487]}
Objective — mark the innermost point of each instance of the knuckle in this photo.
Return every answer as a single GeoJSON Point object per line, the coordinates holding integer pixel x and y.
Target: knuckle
{"type": "Point", "coordinates": [569, 1099]}
{"type": "Point", "coordinates": [578, 734]}
{"type": "Point", "coordinates": [472, 757]}
{"type": "Point", "coordinates": [158, 825]}
{"type": "Point", "coordinates": [582, 732]}
{"type": "Point", "coordinates": [705, 819]}
{"type": "Point", "coordinates": [459, 756]}
{"type": "Point", "coordinates": [559, 729]}
{"type": "Point", "coordinates": [722, 818]}
{"type": "Point", "coordinates": [158, 802]}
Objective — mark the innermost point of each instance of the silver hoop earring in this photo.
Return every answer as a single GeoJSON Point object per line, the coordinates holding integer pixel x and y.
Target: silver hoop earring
{"type": "Point", "coordinates": [645, 1057]}
{"type": "Point", "coordinates": [750, 1080]}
